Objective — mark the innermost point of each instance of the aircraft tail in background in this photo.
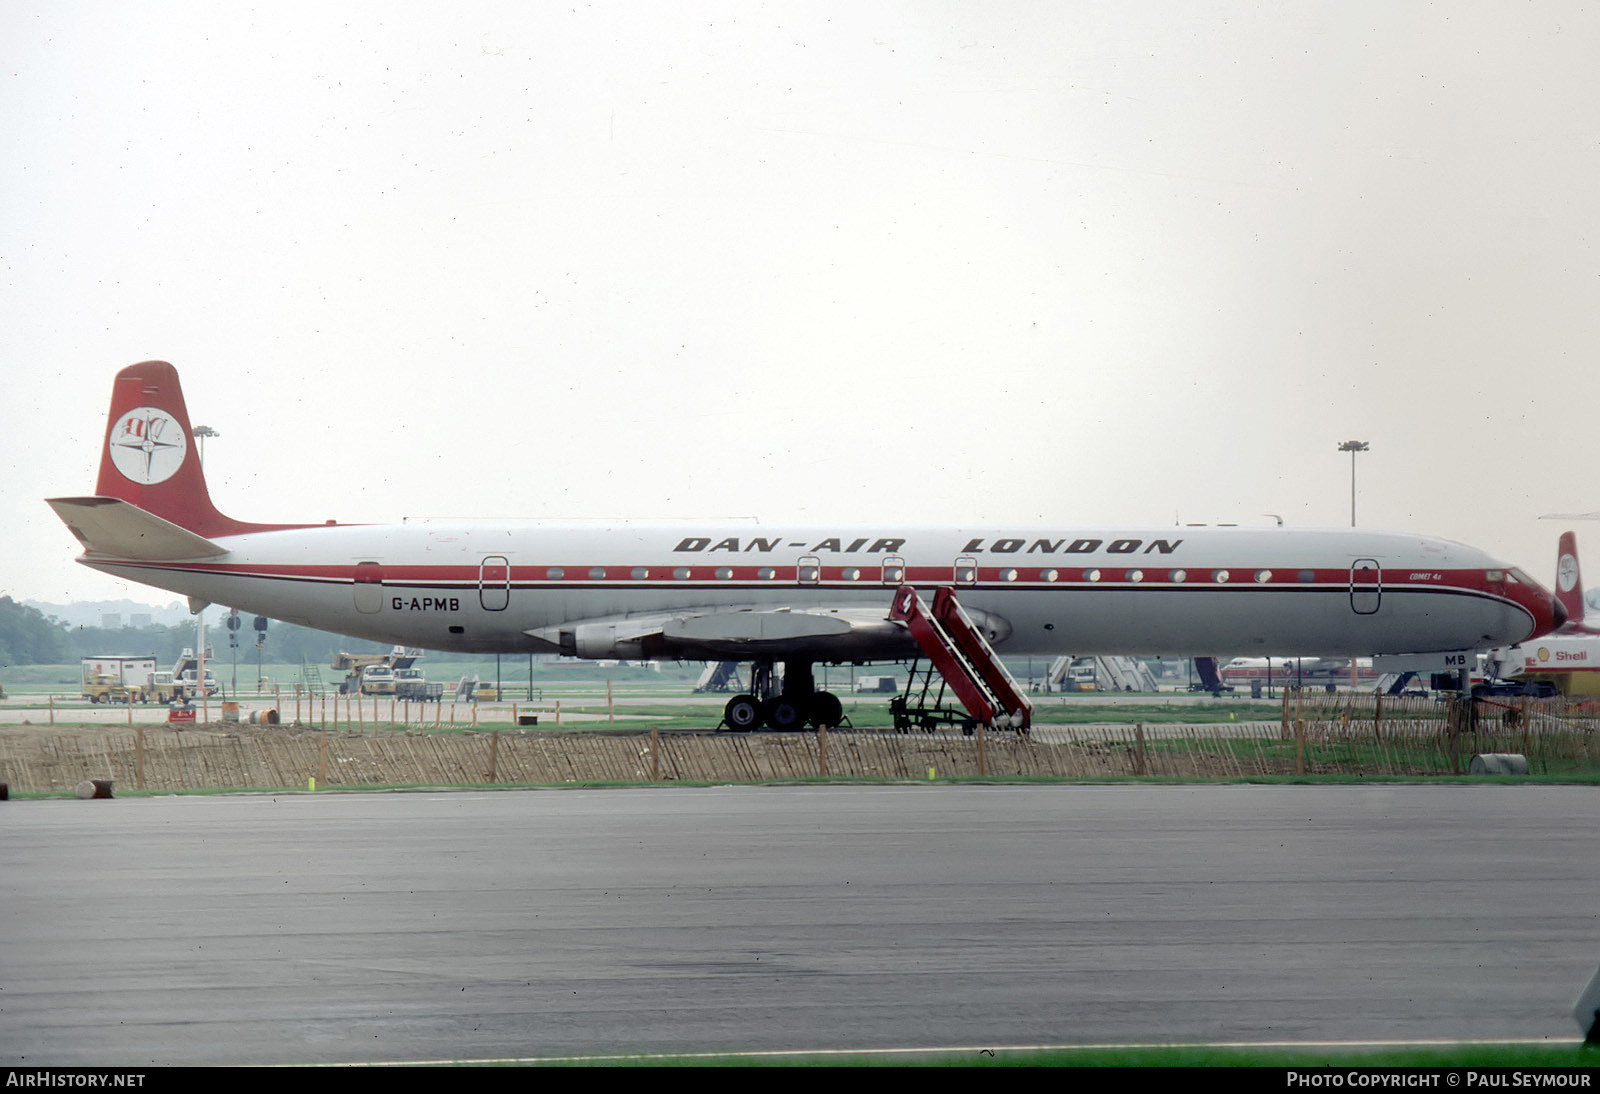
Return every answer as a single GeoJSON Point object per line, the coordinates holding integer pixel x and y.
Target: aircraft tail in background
{"type": "Point", "coordinates": [1569, 583]}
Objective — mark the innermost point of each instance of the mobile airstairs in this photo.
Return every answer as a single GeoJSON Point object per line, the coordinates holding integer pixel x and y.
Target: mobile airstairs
{"type": "Point", "coordinates": [966, 663]}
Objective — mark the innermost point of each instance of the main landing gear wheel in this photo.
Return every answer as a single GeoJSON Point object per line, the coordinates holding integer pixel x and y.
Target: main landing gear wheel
{"type": "Point", "coordinates": [825, 709]}
{"type": "Point", "coordinates": [782, 714]}
{"type": "Point", "coordinates": [742, 713]}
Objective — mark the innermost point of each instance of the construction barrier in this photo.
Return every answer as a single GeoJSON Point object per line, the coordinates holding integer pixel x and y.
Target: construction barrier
{"type": "Point", "coordinates": [1322, 740]}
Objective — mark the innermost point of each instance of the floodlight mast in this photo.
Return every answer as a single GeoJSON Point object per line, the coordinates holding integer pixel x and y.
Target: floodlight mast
{"type": "Point", "coordinates": [1353, 447]}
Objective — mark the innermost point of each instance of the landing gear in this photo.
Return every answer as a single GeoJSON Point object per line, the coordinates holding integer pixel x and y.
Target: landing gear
{"type": "Point", "coordinates": [785, 702]}
{"type": "Point", "coordinates": [782, 713]}
{"type": "Point", "coordinates": [742, 713]}
{"type": "Point", "coordinates": [826, 709]}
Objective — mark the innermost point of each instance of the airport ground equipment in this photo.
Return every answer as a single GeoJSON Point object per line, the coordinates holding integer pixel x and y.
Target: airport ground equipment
{"type": "Point", "coordinates": [922, 707]}
{"type": "Point", "coordinates": [311, 677]}
{"type": "Point", "coordinates": [115, 678]}
{"type": "Point", "coordinates": [1070, 673]}
{"type": "Point", "coordinates": [391, 673]}
{"type": "Point", "coordinates": [1105, 673]}
{"type": "Point", "coordinates": [1210, 676]}
{"type": "Point", "coordinates": [718, 676]}
{"type": "Point", "coordinates": [1124, 674]}
{"type": "Point", "coordinates": [1395, 683]}
{"type": "Point", "coordinates": [967, 663]}
{"type": "Point", "coordinates": [184, 675]}
{"type": "Point", "coordinates": [410, 683]}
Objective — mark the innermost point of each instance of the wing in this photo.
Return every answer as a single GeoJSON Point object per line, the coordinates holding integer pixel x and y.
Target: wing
{"type": "Point", "coordinates": [814, 633]}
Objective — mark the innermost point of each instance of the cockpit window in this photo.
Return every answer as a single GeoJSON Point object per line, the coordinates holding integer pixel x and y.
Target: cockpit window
{"type": "Point", "coordinates": [1517, 577]}
{"type": "Point", "coordinates": [1495, 575]}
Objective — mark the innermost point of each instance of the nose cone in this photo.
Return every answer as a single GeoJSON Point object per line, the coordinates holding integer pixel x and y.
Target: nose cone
{"type": "Point", "coordinates": [1547, 612]}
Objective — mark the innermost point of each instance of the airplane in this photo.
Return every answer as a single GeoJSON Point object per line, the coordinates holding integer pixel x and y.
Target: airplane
{"type": "Point", "coordinates": [1565, 660]}
{"type": "Point", "coordinates": [779, 594]}
{"type": "Point", "coordinates": [1328, 672]}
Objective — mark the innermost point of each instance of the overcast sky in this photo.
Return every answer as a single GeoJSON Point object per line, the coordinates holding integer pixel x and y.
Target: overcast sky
{"type": "Point", "coordinates": [934, 263]}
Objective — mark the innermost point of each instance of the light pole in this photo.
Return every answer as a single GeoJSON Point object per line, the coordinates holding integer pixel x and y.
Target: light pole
{"type": "Point", "coordinates": [1353, 447]}
{"type": "Point", "coordinates": [201, 432]}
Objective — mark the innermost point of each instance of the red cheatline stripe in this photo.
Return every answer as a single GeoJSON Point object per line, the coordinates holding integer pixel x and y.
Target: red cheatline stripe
{"type": "Point", "coordinates": [987, 577]}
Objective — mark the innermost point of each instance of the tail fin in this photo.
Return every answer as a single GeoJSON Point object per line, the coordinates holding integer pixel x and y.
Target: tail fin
{"type": "Point", "coordinates": [150, 459]}
{"type": "Point", "coordinates": [1569, 582]}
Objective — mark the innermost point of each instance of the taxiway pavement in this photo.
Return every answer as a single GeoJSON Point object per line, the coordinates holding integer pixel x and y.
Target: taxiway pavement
{"type": "Point", "coordinates": [479, 925]}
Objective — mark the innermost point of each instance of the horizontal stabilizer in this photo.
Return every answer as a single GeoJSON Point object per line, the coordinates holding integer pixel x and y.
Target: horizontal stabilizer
{"type": "Point", "coordinates": [113, 527]}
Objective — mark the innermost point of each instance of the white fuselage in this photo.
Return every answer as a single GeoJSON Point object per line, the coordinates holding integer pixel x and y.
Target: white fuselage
{"type": "Point", "coordinates": [1138, 591]}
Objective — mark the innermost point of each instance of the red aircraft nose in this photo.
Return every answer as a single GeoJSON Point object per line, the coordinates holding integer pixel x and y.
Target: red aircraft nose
{"type": "Point", "coordinates": [1547, 612]}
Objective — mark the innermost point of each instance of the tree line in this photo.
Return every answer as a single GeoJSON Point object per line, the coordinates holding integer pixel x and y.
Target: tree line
{"type": "Point", "coordinates": [29, 637]}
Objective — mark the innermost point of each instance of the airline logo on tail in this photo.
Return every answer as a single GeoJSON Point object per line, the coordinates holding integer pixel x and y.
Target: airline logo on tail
{"type": "Point", "coordinates": [147, 446]}
{"type": "Point", "coordinates": [1567, 572]}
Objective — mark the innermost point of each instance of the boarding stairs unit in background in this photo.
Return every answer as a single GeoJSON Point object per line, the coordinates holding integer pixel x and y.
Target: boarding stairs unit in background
{"type": "Point", "coordinates": [311, 678]}
{"type": "Point", "coordinates": [1394, 683]}
{"type": "Point", "coordinates": [1124, 674]}
{"type": "Point", "coordinates": [718, 676]}
{"type": "Point", "coordinates": [1110, 674]}
{"type": "Point", "coordinates": [1210, 676]}
{"type": "Point", "coordinates": [965, 660]}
